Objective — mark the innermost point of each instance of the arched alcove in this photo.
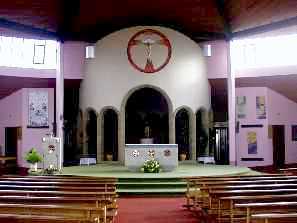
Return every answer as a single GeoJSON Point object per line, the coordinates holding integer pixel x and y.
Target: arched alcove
{"type": "Point", "coordinates": [182, 132]}
{"type": "Point", "coordinates": [147, 116]}
{"type": "Point", "coordinates": [201, 132]}
{"type": "Point", "coordinates": [110, 134]}
{"type": "Point", "coordinates": [91, 132]}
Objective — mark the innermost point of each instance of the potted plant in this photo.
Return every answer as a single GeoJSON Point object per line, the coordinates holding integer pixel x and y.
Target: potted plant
{"type": "Point", "coordinates": [33, 158]}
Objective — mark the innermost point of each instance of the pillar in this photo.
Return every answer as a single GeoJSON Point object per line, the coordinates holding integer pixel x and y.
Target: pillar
{"type": "Point", "coordinates": [60, 100]}
{"type": "Point", "coordinates": [192, 119]}
{"type": "Point", "coordinates": [231, 109]}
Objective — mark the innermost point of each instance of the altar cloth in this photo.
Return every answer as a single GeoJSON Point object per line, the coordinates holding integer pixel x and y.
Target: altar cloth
{"type": "Point", "coordinates": [165, 154]}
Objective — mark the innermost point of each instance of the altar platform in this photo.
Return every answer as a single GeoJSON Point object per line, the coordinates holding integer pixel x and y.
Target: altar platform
{"type": "Point", "coordinates": [157, 183]}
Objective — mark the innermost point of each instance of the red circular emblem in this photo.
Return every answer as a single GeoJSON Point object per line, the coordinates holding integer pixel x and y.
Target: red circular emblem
{"type": "Point", "coordinates": [141, 48]}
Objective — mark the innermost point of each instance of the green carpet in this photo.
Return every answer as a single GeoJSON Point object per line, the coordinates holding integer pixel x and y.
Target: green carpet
{"type": "Point", "coordinates": [154, 183]}
{"type": "Point", "coordinates": [183, 170]}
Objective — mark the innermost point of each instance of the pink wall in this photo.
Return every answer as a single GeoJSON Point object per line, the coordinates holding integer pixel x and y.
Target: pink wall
{"type": "Point", "coordinates": [266, 71]}
{"type": "Point", "coordinates": [74, 60]}
{"type": "Point", "coordinates": [10, 115]}
{"type": "Point", "coordinates": [14, 113]}
{"type": "Point", "coordinates": [217, 63]}
{"type": "Point", "coordinates": [32, 137]}
{"type": "Point", "coordinates": [74, 54]}
{"type": "Point", "coordinates": [283, 111]}
{"type": "Point", "coordinates": [264, 150]}
{"type": "Point", "coordinates": [280, 111]}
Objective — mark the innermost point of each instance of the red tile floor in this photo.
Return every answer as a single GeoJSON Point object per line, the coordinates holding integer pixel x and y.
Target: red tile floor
{"type": "Point", "coordinates": [154, 210]}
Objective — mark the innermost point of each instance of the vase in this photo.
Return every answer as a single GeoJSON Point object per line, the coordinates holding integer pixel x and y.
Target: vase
{"type": "Point", "coordinates": [33, 167]}
{"type": "Point", "coordinates": [109, 157]}
{"type": "Point", "coordinates": [182, 156]}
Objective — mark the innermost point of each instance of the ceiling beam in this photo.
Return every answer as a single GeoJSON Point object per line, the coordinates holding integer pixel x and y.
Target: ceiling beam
{"type": "Point", "coordinates": [266, 28]}
{"type": "Point", "coordinates": [70, 10]}
{"type": "Point", "coordinates": [95, 32]}
{"type": "Point", "coordinates": [4, 23]}
{"type": "Point", "coordinates": [221, 9]}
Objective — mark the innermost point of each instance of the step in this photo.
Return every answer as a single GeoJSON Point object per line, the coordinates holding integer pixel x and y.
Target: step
{"type": "Point", "coordinates": [152, 190]}
{"type": "Point", "coordinates": [153, 183]}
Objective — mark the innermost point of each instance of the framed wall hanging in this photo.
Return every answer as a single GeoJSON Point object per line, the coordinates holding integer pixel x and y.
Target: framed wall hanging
{"type": "Point", "coordinates": [38, 109]}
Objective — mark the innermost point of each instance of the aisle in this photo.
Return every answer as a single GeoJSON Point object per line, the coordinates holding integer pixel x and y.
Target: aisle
{"type": "Point", "coordinates": [154, 210]}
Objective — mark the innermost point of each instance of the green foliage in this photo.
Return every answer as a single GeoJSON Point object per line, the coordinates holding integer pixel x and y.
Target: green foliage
{"type": "Point", "coordinates": [33, 156]}
{"type": "Point", "coordinates": [151, 166]}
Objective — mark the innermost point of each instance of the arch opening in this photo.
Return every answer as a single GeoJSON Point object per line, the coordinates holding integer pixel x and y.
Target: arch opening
{"type": "Point", "coordinates": [182, 133]}
{"type": "Point", "coordinates": [147, 117]}
{"type": "Point", "coordinates": [110, 135]}
{"type": "Point", "coordinates": [91, 133]}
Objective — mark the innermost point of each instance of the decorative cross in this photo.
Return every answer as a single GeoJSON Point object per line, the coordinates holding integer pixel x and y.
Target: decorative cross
{"type": "Point", "coordinates": [151, 153]}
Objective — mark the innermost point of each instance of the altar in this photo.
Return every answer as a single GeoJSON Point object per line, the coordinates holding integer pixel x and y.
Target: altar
{"type": "Point", "coordinates": [165, 154]}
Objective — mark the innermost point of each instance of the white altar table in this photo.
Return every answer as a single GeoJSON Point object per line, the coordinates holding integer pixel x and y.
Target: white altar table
{"type": "Point", "coordinates": [165, 154]}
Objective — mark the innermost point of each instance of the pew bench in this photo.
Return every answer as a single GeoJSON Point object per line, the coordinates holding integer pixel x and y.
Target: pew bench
{"type": "Point", "coordinates": [81, 212]}
{"type": "Point", "coordinates": [254, 208]}
{"type": "Point", "coordinates": [22, 218]}
{"type": "Point", "coordinates": [226, 209]}
{"type": "Point", "coordinates": [275, 217]}
{"type": "Point", "coordinates": [85, 201]}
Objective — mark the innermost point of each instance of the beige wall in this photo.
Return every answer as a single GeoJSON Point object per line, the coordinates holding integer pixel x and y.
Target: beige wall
{"type": "Point", "coordinates": [109, 77]}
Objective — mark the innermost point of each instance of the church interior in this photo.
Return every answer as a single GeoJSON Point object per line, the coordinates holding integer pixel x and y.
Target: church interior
{"type": "Point", "coordinates": [163, 111]}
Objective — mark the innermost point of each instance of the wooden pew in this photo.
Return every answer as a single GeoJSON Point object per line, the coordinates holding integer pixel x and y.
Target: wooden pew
{"type": "Point", "coordinates": [213, 205]}
{"type": "Point", "coordinates": [72, 211]}
{"type": "Point", "coordinates": [77, 193]}
{"type": "Point", "coordinates": [194, 184]}
{"type": "Point", "coordinates": [85, 201]}
{"type": "Point", "coordinates": [204, 193]}
{"type": "Point", "coordinates": [21, 218]}
{"type": "Point", "coordinates": [57, 178]}
{"type": "Point", "coordinates": [275, 217]}
{"type": "Point", "coordinates": [254, 208]}
{"type": "Point", "coordinates": [226, 204]}
{"type": "Point", "coordinates": [102, 188]}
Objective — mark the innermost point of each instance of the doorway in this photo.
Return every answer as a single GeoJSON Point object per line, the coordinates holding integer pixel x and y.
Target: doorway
{"type": "Point", "coordinates": [11, 141]}
{"type": "Point", "coordinates": [278, 140]}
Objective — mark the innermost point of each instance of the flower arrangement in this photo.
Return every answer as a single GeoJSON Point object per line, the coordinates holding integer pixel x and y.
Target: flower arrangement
{"type": "Point", "coordinates": [151, 166]}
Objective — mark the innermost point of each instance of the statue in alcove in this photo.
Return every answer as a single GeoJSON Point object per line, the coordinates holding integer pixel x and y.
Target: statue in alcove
{"type": "Point", "coordinates": [147, 135]}
{"type": "Point", "coordinates": [147, 130]}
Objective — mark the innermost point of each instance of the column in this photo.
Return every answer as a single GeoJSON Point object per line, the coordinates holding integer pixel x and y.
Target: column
{"type": "Point", "coordinates": [193, 135]}
{"type": "Point", "coordinates": [60, 100]}
{"type": "Point", "coordinates": [231, 109]}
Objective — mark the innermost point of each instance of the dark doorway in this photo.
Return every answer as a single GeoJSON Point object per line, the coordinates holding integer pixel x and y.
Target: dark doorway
{"type": "Point", "coordinates": [278, 132]}
{"type": "Point", "coordinates": [201, 134]}
{"type": "Point", "coordinates": [221, 145]}
{"type": "Point", "coordinates": [110, 135]}
{"type": "Point", "coordinates": [72, 119]}
{"type": "Point", "coordinates": [92, 133]}
{"type": "Point", "coordinates": [182, 132]}
{"type": "Point", "coordinates": [147, 117]}
{"type": "Point", "coordinates": [11, 141]}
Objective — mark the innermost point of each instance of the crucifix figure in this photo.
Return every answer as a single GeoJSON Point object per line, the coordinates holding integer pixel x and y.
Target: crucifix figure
{"type": "Point", "coordinates": [148, 43]}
